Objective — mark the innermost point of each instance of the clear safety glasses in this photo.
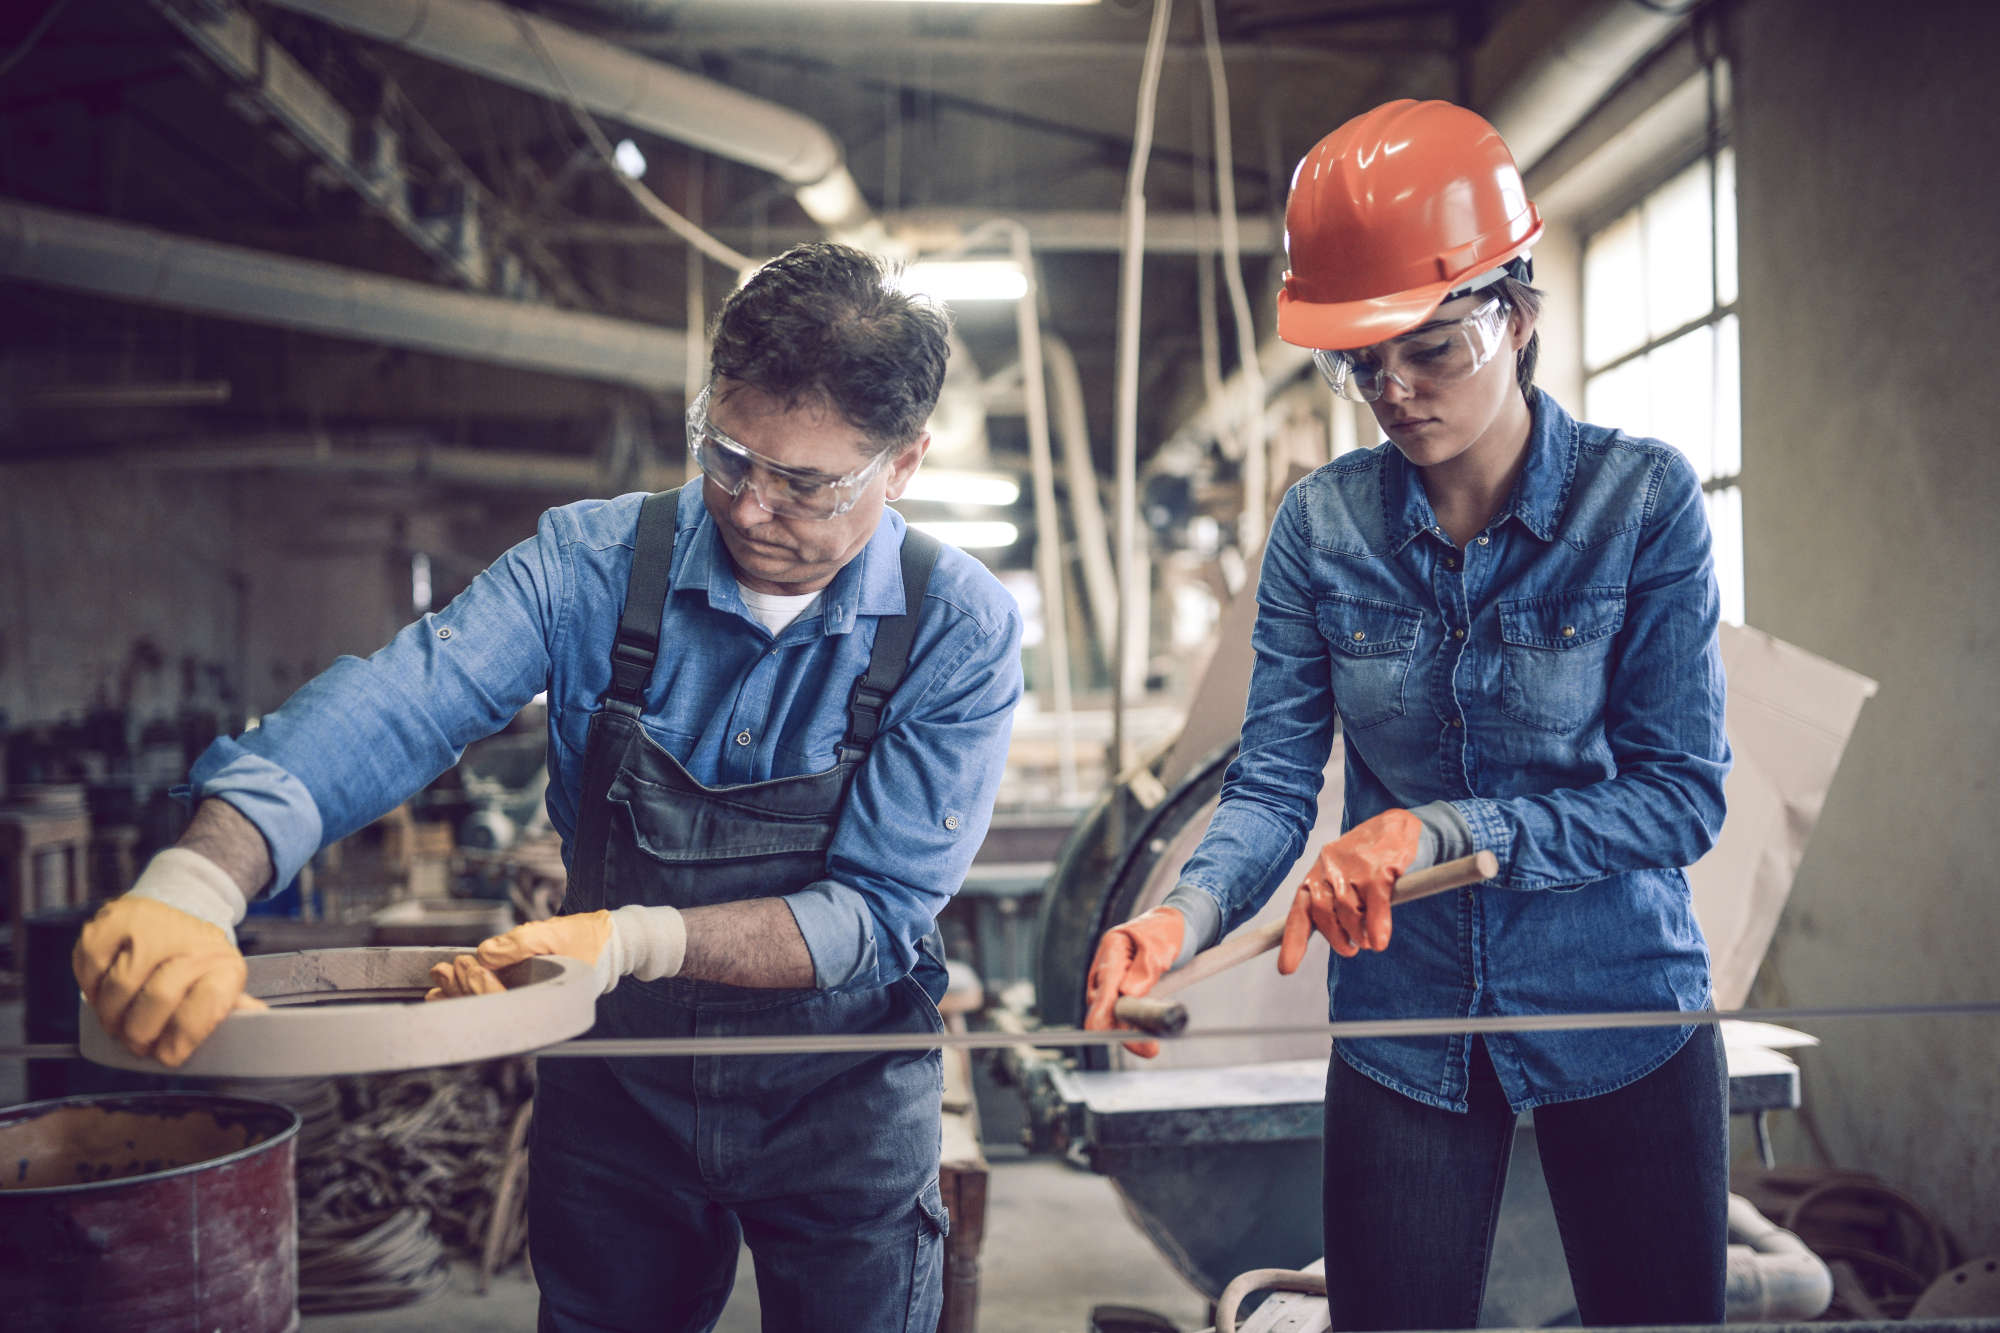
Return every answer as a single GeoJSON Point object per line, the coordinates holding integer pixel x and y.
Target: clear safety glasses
{"type": "Point", "coordinates": [789, 492]}
{"type": "Point", "coordinates": [1430, 357]}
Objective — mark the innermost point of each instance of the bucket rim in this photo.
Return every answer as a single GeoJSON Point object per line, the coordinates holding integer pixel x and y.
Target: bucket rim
{"type": "Point", "coordinates": [137, 1101]}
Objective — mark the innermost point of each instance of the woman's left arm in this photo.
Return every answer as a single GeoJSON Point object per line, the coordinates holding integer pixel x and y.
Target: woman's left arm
{"type": "Point", "coordinates": [1663, 717]}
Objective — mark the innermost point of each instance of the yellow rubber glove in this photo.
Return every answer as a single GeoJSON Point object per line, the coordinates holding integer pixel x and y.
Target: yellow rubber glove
{"type": "Point", "coordinates": [646, 942]}
{"type": "Point", "coordinates": [159, 979]}
{"type": "Point", "coordinates": [1346, 894]}
{"type": "Point", "coordinates": [1130, 959]}
{"type": "Point", "coordinates": [583, 935]}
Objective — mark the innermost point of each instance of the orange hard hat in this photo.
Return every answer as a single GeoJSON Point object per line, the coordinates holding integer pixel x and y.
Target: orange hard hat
{"type": "Point", "coordinates": [1392, 213]}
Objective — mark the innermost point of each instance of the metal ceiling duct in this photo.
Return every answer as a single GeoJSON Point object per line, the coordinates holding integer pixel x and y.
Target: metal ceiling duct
{"type": "Point", "coordinates": [78, 252]}
{"type": "Point", "coordinates": [1575, 72]}
{"type": "Point", "coordinates": [491, 40]}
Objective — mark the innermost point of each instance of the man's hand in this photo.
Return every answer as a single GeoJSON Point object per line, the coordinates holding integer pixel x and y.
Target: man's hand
{"type": "Point", "coordinates": [159, 977]}
{"type": "Point", "coordinates": [1130, 959]}
{"type": "Point", "coordinates": [647, 942]}
{"type": "Point", "coordinates": [1347, 892]}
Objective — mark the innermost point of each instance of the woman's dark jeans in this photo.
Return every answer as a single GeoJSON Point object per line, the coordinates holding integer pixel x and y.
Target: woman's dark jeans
{"type": "Point", "coordinates": [1639, 1177]}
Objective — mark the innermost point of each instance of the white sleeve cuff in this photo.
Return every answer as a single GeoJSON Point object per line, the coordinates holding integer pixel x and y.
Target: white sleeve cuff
{"type": "Point", "coordinates": [194, 884]}
{"type": "Point", "coordinates": [646, 942]}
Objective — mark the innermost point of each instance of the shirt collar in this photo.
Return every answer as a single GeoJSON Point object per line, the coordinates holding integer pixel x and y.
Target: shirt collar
{"type": "Point", "coordinates": [1540, 492]}
{"type": "Point", "coordinates": [871, 584]}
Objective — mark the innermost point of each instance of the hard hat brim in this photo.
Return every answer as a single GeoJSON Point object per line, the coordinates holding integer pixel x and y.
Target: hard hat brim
{"type": "Point", "coordinates": [1342, 325]}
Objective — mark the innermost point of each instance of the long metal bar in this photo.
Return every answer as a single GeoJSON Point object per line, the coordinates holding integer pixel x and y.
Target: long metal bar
{"type": "Point", "coordinates": [624, 1047]}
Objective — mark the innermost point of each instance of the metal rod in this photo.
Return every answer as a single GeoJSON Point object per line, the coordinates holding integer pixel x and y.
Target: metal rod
{"type": "Point", "coordinates": [1061, 1037]}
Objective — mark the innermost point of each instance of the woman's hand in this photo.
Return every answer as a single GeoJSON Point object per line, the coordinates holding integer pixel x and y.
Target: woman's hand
{"type": "Point", "coordinates": [1346, 894]}
{"type": "Point", "coordinates": [1130, 958]}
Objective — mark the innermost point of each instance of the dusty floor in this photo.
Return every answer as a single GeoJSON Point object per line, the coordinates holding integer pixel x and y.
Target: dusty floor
{"type": "Point", "coordinates": [1057, 1244]}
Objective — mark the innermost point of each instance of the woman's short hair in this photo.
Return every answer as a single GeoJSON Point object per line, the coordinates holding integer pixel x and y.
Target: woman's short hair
{"type": "Point", "coordinates": [828, 321]}
{"type": "Point", "coordinates": [1518, 295]}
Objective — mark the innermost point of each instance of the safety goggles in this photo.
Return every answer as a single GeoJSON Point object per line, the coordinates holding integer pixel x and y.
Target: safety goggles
{"type": "Point", "coordinates": [789, 492]}
{"type": "Point", "coordinates": [1430, 357]}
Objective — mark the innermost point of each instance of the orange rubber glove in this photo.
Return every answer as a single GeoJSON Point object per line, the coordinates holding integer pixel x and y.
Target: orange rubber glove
{"type": "Point", "coordinates": [1130, 959]}
{"type": "Point", "coordinates": [1347, 892]}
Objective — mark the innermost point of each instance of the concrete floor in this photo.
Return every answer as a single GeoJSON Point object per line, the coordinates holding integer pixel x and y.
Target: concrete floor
{"type": "Point", "coordinates": [1057, 1244]}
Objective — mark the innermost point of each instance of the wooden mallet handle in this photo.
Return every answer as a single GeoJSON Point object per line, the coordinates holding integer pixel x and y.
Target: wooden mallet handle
{"type": "Point", "coordinates": [1155, 1013]}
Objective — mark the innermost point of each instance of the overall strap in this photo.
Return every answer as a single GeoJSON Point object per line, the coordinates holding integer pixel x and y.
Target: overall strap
{"type": "Point", "coordinates": [637, 645]}
{"type": "Point", "coordinates": [893, 637]}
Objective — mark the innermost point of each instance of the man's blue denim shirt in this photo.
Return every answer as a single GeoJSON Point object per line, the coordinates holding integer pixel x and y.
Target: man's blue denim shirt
{"type": "Point", "coordinates": [730, 702]}
{"type": "Point", "coordinates": [1559, 683]}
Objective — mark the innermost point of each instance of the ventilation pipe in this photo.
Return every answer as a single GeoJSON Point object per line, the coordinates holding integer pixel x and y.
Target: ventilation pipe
{"type": "Point", "coordinates": [80, 253]}
{"type": "Point", "coordinates": [1772, 1275]}
{"type": "Point", "coordinates": [1573, 73]}
{"type": "Point", "coordinates": [488, 39]}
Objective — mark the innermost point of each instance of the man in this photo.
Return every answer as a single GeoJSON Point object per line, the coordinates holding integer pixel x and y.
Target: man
{"type": "Point", "coordinates": [769, 771]}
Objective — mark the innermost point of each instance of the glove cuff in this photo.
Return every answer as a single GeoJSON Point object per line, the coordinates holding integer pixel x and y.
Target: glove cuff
{"type": "Point", "coordinates": [1445, 835]}
{"type": "Point", "coordinates": [190, 882]}
{"type": "Point", "coordinates": [1202, 916]}
{"type": "Point", "coordinates": [646, 942]}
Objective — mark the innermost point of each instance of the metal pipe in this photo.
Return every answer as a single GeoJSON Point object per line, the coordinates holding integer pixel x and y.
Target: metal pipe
{"type": "Point", "coordinates": [488, 39]}
{"type": "Point", "coordinates": [1572, 74]}
{"type": "Point", "coordinates": [1086, 499]}
{"type": "Point", "coordinates": [78, 252]}
{"type": "Point", "coordinates": [1048, 524]}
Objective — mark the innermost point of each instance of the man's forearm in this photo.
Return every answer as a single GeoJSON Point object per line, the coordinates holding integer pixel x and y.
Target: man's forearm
{"type": "Point", "coordinates": [755, 942]}
{"type": "Point", "coordinates": [220, 832]}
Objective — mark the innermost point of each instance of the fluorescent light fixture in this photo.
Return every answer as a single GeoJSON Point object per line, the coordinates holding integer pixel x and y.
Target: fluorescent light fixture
{"type": "Point", "coordinates": [971, 534]}
{"type": "Point", "coordinates": [991, 489]}
{"type": "Point", "coordinates": [630, 161]}
{"type": "Point", "coordinates": [966, 279]}
{"type": "Point", "coordinates": [998, 2]}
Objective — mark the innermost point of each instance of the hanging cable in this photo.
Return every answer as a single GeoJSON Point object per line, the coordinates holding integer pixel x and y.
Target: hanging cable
{"type": "Point", "coordinates": [654, 206]}
{"type": "Point", "coordinates": [1131, 260]}
{"type": "Point", "coordinates": [1256, 457]}
{"type": "Point", "coordinates": [34, 37]}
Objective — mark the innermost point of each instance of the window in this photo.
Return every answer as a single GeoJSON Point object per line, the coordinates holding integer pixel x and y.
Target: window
{"type": "Point", "coordinates": [1659, 339]}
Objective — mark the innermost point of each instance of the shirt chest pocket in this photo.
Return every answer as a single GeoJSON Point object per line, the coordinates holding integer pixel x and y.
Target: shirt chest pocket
{"type": "Point", "coordinates": [1555, 653]}
{"type": "Point", "coordinates": [1370, 646]}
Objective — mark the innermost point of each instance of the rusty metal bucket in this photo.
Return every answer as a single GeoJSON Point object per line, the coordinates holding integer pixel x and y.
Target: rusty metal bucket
{"type": "Point", "coordinates": [144, 1211]}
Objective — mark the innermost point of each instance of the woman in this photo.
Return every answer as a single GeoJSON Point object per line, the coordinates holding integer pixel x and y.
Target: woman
{"type": "Point", "coordinates": [1512, 614]}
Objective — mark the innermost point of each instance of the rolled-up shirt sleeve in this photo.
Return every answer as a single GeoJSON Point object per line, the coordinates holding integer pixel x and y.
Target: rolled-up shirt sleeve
{"type": "Point", "coordinates": [367, 733]}
{"type": "Point", "coordinates": [918, 806]}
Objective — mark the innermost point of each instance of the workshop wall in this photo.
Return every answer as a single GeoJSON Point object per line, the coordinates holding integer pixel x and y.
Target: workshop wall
{"type": "Point", "coordinates": [1864, 137]}
{"type": "Point", "coordinates": [119, 593]}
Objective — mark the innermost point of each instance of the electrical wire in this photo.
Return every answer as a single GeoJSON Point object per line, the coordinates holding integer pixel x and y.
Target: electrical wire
{"type": "Point", "coordinates": [1130, 273]}
{"type": "Point", "coordinates": [655, 207]}
{"type": "Point", "coordinates": [1256, 457]}
{"type": "Point", "coordinates": [34, 37]}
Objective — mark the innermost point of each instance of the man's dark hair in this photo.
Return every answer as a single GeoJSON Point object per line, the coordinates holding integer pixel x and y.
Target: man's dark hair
{"type": "Point", "coordinates": [827, 321]}
{"type": "Point", "coordinates": [1518, 295]}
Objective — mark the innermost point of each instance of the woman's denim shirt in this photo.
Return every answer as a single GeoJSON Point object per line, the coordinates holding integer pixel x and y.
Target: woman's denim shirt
{"type": "Point", "coordinates": [1558, 681]}
{"type": "Point", "coordinates": [733, 703]}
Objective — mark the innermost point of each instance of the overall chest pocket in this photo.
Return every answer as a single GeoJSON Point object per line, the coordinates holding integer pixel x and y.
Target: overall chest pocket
{"type": "Point", "coordinates": [1555, 653]}
{"type": "Point", "coordinates": [1369, 646]}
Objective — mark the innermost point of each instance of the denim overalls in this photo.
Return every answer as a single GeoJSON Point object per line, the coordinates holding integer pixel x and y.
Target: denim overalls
{"type": "Point", "coordinates": [646, 1172]}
